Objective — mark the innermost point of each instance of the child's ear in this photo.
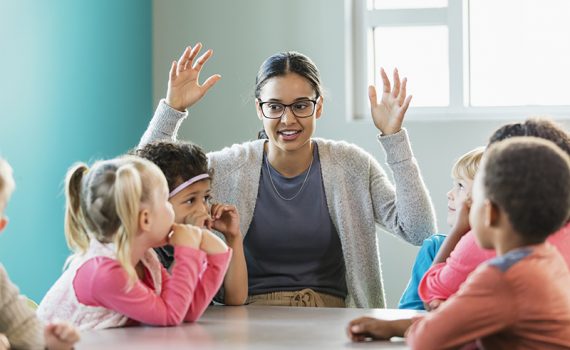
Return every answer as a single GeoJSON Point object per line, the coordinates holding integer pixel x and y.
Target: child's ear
{"type": "Point", "coordinates": [144, 220]}
{"type": "Point", "coordinates": [3, 223]}
{"type": "Point", "coordinates": [493, 214]}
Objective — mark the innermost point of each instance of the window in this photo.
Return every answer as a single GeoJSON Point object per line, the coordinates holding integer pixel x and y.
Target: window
{"type": "Point", "coordinates": [464, 59]}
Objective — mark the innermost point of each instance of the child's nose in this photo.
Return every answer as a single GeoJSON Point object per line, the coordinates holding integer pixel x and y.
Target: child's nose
{"type": "Point", "coordinates": [205, 208]}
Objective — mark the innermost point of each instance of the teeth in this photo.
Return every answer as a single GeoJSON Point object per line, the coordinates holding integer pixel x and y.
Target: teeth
{"type": "Point", "coordinates": [288, 132]}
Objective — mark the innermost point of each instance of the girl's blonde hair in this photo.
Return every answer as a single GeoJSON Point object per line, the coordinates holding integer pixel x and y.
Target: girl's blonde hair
{"type": "Point", "coordinates": [103, 202]}
{"type": "Point", "coordinates": [466, 166]}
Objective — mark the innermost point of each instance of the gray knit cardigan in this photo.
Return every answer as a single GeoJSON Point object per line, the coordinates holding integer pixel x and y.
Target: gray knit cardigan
{"type": "Point", "coordinates": [359, 196]}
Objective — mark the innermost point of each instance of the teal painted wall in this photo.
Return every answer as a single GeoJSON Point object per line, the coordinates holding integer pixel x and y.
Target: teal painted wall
{"type": "Point", "coordinates": [75, 84]}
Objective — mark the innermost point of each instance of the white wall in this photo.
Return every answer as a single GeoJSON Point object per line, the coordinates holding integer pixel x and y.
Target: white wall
{"type": "Point", "coordinates": [243, 33]}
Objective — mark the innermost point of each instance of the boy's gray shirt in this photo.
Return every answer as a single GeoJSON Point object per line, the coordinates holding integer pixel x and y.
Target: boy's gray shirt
{"type": "Point", "coordinates": [359, 196]}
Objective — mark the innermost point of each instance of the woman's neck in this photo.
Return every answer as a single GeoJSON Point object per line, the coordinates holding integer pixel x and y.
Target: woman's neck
{"type": "Point", "coordinates": [290, 163]}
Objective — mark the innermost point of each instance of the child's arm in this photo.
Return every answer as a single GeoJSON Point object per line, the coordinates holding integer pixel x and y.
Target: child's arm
{"type": "Point", "coordinates": [459, 229]}
{"type": "Point", "coordinates": [444, 279]}
{"type": "Point", "coordinates": [218, 259]}
{"type": "Point", "coordinates": [410, 298]}
{"type": "Point", "coordinates": [18, 321]}
{"type": "Point", "coordinates": [103, 282]}
{"type": "Point", "coordinates": [483, 306]}
{"type": "Point", "coordinates": [225, 219]}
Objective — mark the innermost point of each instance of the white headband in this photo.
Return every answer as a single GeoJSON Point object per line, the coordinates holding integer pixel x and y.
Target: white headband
{"type": "Point", "coordinates": [188, 183]}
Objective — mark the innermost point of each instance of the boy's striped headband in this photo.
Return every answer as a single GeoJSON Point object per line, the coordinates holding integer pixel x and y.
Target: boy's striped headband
{"type": "Point", "coordinates": [188, 183]}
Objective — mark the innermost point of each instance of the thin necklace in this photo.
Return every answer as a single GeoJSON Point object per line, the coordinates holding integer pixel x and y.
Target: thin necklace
{"type": "Point", "coordinates": [302, 185]}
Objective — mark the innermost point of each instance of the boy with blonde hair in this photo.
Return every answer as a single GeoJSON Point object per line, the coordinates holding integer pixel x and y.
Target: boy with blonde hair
{"type": "Point", "coordinates": [433, 248]}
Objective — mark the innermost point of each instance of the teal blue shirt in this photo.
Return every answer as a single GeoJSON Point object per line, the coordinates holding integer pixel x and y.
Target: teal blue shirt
{"type": "Point", "coordinates": [410, 299]}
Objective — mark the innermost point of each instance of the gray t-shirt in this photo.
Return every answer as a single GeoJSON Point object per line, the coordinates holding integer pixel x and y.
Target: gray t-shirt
{"type": "Point", "coordinates": [293, 244]}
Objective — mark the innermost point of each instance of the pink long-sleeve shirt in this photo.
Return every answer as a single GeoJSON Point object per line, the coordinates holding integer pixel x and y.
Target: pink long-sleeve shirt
{"type": "Point", "coordinates": [444, 279]}
{"type": "Point", "coordinates": [184, 295]}
{"type": "Point", "coordinates": [516, 301]}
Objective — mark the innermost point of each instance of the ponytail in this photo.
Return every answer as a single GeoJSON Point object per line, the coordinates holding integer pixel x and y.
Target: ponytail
{"type": "Point", "coordinates": [262, 135]}
{"type": "Point", "coordinates": [128, 193]}
{"type": "Point", "coordinates": [75, 233]}
{"type": "Point", "coordinates": [104, 202]}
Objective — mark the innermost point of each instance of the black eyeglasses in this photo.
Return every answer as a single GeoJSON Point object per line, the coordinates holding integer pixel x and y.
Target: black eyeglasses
{"type": "Point", "coordinates": [300, 109]}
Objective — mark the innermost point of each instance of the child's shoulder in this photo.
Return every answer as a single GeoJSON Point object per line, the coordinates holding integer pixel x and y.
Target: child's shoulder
{"type": "Point", "coordinates": [4, 279]}
{"type": "Point", "coordinates": [529, 257]}
{"type": "Point", "coordinates": [97, 268]}
{"type": "Point", "coordinates": [432, 244]}
{"type": "Point", "coordinates": [538, 265]}
{"type": "Point", "coordinates": [435, 239]}
{"type": "Point", "coordinates": [505, 262]}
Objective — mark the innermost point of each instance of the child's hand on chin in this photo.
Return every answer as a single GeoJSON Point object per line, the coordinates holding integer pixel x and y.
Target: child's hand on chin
{"type": "Point", "coordinates": [185, 235]}
{"type": "Point", "coordinates": [60, 336]}
{"type": "Point", "coordinates": [462, 222]}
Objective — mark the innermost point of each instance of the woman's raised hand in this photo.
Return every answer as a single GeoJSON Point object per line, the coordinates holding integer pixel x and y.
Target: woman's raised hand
{"type": "Point", "coordinates": [388, 115]}
{"type": "Point", "coordinates": [184, 89]}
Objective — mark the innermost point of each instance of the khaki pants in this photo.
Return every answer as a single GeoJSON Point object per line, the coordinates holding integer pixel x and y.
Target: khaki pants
{"type": "Point", "coordinates": [305, 298]}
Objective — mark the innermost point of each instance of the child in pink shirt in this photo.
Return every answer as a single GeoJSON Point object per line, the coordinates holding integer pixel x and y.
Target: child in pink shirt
{"type": "Point", "coordinates": [463, 172]}
{"type": "Point", "coordinates": [449, 271]}
{"type": "Point", "coordinates": [117, 211]}
{"type": "Point", "coordinates": [518, 300]}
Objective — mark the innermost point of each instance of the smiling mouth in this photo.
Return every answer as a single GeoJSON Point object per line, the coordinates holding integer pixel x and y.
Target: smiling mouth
{"type": "Point", "coordinates": [289, 132]}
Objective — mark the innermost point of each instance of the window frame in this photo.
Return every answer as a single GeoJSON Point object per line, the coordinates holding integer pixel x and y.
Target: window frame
{"type": "Point", "coordinates": [360, 22]}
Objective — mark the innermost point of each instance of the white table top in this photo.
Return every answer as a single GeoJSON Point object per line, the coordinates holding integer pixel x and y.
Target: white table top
{"type": "Point", "coordinates": [249, 327]}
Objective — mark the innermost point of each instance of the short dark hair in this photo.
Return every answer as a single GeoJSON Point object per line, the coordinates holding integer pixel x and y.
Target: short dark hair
{"type": "Point", "coordinates": [178, 160]}
{"type": "Point", "coordinates": [529, 178]}
{"type": "Point", "coordinates": [540, 127]}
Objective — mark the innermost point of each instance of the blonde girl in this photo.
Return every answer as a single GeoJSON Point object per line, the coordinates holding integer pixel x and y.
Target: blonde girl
{"type": "Point", "coordinates": [117, 211]}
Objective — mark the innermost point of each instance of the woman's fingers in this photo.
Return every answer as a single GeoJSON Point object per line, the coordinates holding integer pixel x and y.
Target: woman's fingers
{"type": "Point", "coordinates": [203, 59]}
{"type": "Point", "coordinates": [372, 96]}
{"type": "Point", "coordinates": [182, 60]}
{"type": "Point", "coordinates": [385, 81]}
{"type": "Point", "coordinates": [187, 57]}
{"type": "Point", "coordinates": [402, 95]}
{"type": "Point", "coordinates": [406, 105]}
{"type": "Point", "coordinates": [396, 90]}
{"type": "Point", "coordinates": [211, 81]}
{"type": "Point", "coordinates": [172, 73]}
{"type": "Point", "coordinates": [194, 53]}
